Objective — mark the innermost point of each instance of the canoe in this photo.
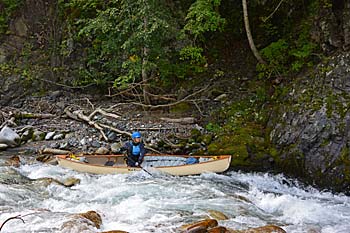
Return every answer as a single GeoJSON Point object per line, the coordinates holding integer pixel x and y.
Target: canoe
{"type": "Point", "coordinates": [169, 164]}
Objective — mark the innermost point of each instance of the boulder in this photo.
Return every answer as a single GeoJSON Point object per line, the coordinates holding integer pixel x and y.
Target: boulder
{"type": "Point", "coordinates": [102, 151]}
{"type": "Point", "coordinates": [263, 229]}
{"type": "Point", "coordinates": [94, 217]}
{"type": "Point", "coordinates": [83, 222]}
{"type": "Point", "coordinates": [197, 226]}
{"type": "Point", "coordinates": [218, 229]}
{"type": "Point", "coordinates": [9, 137]}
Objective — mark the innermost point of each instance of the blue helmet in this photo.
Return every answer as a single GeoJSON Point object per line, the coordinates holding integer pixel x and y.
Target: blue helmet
{"type": "Point", "coordinates": [136, 135]}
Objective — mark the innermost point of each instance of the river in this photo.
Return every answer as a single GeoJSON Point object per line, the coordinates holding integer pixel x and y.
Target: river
{"type": "Point", "coordinates": [141, 203]}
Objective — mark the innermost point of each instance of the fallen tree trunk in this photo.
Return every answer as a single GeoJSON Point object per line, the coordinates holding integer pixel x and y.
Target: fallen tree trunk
{"type": "Point", "coordinates": [185, 120]}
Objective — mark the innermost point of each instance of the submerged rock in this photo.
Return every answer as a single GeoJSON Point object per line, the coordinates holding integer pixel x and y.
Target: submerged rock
{"type": "Point", "coordinates": [217, 215]}
{"type": "Point", "coordinates": [263, 229]}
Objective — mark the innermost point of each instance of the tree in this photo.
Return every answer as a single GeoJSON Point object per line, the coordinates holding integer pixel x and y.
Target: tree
{"type": "Point", "coordinates": [130, 41]}
{"type": "Point", "coordinates": [249, 34]}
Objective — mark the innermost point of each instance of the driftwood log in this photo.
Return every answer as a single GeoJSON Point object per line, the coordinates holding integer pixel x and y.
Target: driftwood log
{"type": "Point", "coordinates": [184, 120]}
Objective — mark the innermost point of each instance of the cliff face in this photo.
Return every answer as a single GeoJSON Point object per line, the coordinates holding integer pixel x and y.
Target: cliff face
{"type": "Point", "coordinates": [30, 48]}
{"type": "Point", "coordinates": [311, 125]}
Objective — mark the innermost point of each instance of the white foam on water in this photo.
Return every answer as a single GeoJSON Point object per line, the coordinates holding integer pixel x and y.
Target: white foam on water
{"type": "Point", "coordinates": [140, 203]}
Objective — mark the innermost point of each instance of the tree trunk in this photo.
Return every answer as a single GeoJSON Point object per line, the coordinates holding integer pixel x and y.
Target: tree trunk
{"type": "Point", "coordinates": [249, 34]}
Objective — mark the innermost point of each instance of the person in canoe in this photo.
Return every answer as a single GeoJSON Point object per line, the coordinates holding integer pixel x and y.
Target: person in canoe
{"type": "Point", "coordinates": [135, 150]}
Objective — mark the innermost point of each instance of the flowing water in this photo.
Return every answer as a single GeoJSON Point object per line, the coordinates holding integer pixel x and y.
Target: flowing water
{"type": "Point", "coordinates": [141, 203]}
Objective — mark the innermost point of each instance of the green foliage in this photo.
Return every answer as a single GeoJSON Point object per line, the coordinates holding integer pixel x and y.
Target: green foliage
{"type": "Point", "coordinates": [275, 55]}
{"type": "Point", "coordinates": [193, 55]}
{"type": "Point", "coordinates": [203, 16]}
{"type": "Point", "coordinates": [7, 8]}
{"type": "Point", "coordinates": [125, 38]}
{"type": "Point", "coordinates": [285, 56]}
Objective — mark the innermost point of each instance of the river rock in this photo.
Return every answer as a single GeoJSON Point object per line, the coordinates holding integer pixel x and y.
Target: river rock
{"type": "Point", "coordinates": [218, 229]}
{"type": "Point", "coordinates": [115, 147]}
{"type": "Point", "coordinates": [196, 229]}
{"type": "Point", "coordinates": [38, 135]}
{"type": "Point", "coordinates": [217, 215]}
{"type": "Point", "coordinates": [71, 181]}
{"type": "Point", "coordinates": [208, 223]}
{"type": "Point", "coordinates": [49, 135]}
{"type": "Point", "coordinates": [58, 136]}
{"type": "Point", "coordinates": [28, 134]}
{"type": "Point", "coordinates": [9, 137]}
{"type": "Point", "coordinates": [84, 222]}
{"type": "Point", "coordinates": [94, 217]}
{"type": "Point", "coordinates": [263, 229]}
{"type": "Point", "coordinates": [3, 146]}
{"type": "Point", "coordinates": [13, 161]}
{"type": "Point", "coordinates": [117, 231]}
{"type": "Point", "coordinates": [102, 151]}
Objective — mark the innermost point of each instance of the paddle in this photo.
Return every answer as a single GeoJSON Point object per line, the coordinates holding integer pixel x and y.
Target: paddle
{"type": "Point", "coordinates": [131, 160]}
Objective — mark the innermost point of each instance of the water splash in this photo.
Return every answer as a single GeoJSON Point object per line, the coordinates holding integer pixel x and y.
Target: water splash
{"type": "Point", "coordinates": [140, 203]}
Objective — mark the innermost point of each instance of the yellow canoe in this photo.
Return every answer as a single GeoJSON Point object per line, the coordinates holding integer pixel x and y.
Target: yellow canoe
{"type": "Point", "coordinates": [169, 164]}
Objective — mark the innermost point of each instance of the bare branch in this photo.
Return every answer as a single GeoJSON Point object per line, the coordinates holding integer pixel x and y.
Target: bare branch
{"type": "Point", "coordinates": [268, 17]}
{"type": "Point", "coordinates": [11, 218]}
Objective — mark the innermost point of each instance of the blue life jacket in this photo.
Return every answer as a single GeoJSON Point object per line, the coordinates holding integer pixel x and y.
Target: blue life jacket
{"type": "Point", "coordinates": [135, 149]}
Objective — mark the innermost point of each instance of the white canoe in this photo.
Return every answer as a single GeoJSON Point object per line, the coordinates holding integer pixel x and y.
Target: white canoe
{"type": "Point", "coordinates": [170, 164]}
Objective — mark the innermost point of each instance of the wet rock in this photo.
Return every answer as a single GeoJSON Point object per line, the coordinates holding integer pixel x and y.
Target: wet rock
{"type": "Point", "coordinates": [73, 142]}
{"type": "Point", "coordinates": [3, 146]}
{"type": "Point", "coordinates": [263, 229]}
{"type": "Point", "coordinates": [217, 215]}
{"type": "Point", "coordinates": [38, 135]}
{"type": "Point", "coordinates": [95, 144]}
{"type": "Point", "coordinates": [112, 136]}
{"type": "Point", "coordinates": [28, 134]}
{"type": "Point", "coordinates": [218, 229]}
{"type": "Point", "coordinates": [94, 217]}
{"type": "Point", "coordinates": [71, 181]}
{"type": "Point", "coordinates": [102, 151]}
{"type": "Point", "coordinates": [46, 181]}
{"type": "Point", "coordinates": [58, 136]}
{"type": "Point", "coordinates": [196, 229]}
{"type": "Point", "coordinates": [311, 127]}
{"type": "Point", "coordinates": [13, 161]}
{"type": "Point", "coordinates": [9, 137]}
{"type": "Point", "coordinates": [117, 231]}
{"type": "Point", "coordinates": [205, 224]}
{"type": "Point", "coordinates": [64, 145]}
{"type": "Point", "coordinates": [115, 147]}
{"type": "Point", "coordinates": [54, 145]}
{"type": "Point", "coordinates": [49, 135]}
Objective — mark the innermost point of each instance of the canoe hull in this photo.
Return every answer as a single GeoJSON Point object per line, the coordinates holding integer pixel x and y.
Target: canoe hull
{"type": "Point", "coordinates": [215, 164]}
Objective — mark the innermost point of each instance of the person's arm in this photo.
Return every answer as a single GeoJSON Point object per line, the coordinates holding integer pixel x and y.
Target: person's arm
{"type": "Point", "coordinates": [125, 147]}
{"type": "Point", "coordinates": [142, 153]}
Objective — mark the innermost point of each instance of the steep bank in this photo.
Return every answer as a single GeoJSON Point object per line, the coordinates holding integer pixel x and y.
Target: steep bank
{"type": "Point", "coordinates": [311, 125]}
